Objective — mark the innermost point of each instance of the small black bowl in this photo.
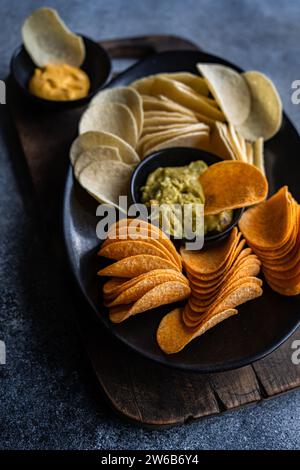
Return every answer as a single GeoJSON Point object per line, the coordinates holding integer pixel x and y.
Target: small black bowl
{"type": "Point", "coordinates": [177, 156]}
{"type": "Point", "coordinates": [97, 65]}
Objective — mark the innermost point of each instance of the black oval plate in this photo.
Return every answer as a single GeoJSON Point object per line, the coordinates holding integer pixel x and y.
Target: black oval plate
{"type": "Point", "coordinates": [261, 325]}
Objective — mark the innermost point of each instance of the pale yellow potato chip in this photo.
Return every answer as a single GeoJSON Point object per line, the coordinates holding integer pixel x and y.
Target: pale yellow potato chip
{"type": "Point", "coordinates": [198, 139]}
{"type": "Point", "coordinates": [102, 153]}
{"type": "Point", "coordinates": [229, 89]}
{"type": "Point", "coordinates": [235, 140]}
{"type": "Point", "coordinates": [258, 155]}
{"type": "Point", "coordinates": [106, 181]}
{"type": "Point", "coordinates": [124, 95]}
{"type": "Point", "coordinates": [218, 143]}
{"type": "Point", "coordinates": [115, 118]}
{"type": "Point", "coordinates": [265, 117]}
{"type": "Point", "coordinates": [156, 122]}
{"type": "Point", "coordinates": [160, 103]}
{"type": "Point", "coordinates": [47, 40]}
{"type": "Point", "coordinates": [195, 82]}
{"type": "Point", "coordinates": [92, 139]}
{"type": "Point", "coordinates": [182, 95]}
{"type": "Point", "coordinates": [152, 140]}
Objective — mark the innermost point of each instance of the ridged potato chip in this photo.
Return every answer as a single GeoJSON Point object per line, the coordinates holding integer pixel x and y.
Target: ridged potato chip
{"type": "Point", "coordinates": [230, 90]}
{"type": "Point", "coordinates": [115, 118]}
{"type": "Point", "coordinates": [92, 139]}
{"type": "Point", "coordinates": [272, 229]}
{"type": "Point", "coordinates": [173, 335]}
{"type": "Point", "coordinates": [106, 180]}
{"type": "Point", "coordinates": [265, 116]}
{"type": "Point", "coordinates": [231, 185]}
{"type": "Point", "coordinates": [136, 265]}
{"type": "Point", "coordinates": [124, 95]}
{"type": "Point", "coordinates": [97, 154]}
{"type": "Point", "coordinates": [142, 286]}
{"type": "Point", "coordinates": [165, 293]}
{"type": "Point", "coordinates": [47, 40]}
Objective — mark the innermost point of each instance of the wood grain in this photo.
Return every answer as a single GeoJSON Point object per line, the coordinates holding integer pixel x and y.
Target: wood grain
{"type": "Point", "coordinates": [140, 390]}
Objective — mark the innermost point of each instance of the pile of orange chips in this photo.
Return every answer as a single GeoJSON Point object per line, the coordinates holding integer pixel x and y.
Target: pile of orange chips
{"type": "Point", "coordinates": [147, 272]}
{"type": "Point", "coordinates": [221, 277]}
{"type": "Point", "coordinates": [272, 229]}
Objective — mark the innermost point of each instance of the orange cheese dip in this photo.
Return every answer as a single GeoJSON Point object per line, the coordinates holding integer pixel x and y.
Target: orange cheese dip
{"type": "Point", "coordinates": [59, 82]}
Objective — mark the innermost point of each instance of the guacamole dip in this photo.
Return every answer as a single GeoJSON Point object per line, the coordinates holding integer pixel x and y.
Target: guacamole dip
{"type": "Point", "coordinates": [180, 185]}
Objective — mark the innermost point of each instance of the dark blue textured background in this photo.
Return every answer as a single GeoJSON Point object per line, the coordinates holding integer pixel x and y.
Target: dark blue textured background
{"type": "Point", "coordinates": [48, 396]}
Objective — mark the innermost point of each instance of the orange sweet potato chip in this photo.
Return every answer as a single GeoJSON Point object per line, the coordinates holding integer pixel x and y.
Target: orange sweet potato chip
{"type": "Point", "coordinates": [132, 228]}
{"type": "Point", "coordinates": [142, 286]}
{"type": "Point", "coordinates": [237, 293]}
{"type": "Point", "coordinates": [136, 265]}
{"type": "Point", "coordinates": [232, 184]}
{"type": "Point", "coordinates": [115, 286]}
{"type": "Point", "coordinates": [165, 293]}
{"type": "Point", "coordinates": [210, 260]}
{"type": "Point", "coordinates": [173, 335]}
{"type": "Point", "coordinates": [161, 244]}
{"type": "Point", "coordinates": [269, 225]}
{"type": "Point", "coordinates": [126, 248]}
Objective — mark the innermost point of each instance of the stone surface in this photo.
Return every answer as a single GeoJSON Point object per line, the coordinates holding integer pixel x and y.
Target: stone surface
{"type": "Point", "coordinates": [48, 395]}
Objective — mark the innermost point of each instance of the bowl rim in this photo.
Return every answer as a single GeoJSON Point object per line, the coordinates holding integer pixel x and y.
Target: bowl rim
{"type": "Point", "coordinates": [77, 102]}
{"type": "Point", "coordinates": [237, 213]}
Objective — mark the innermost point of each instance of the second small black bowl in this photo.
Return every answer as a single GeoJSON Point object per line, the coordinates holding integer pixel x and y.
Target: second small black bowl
{"type": "Point", "coordinates": [97, 65]}
{"type": "Point", "coordinates": [177, 156]}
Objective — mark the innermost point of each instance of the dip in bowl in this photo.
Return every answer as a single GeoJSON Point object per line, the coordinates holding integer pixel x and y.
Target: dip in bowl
{"type": "Point", "coordinates": [170, 176]}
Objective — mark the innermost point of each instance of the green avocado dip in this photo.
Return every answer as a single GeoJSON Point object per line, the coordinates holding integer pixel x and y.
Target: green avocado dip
{"type": "Point", "coordinates": [180, 185]}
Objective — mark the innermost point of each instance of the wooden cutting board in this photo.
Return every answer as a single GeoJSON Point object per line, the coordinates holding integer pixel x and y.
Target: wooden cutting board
{"type": "Point", "coordinates": [136, 388]}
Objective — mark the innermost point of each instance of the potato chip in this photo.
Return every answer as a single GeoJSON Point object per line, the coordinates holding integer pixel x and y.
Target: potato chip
{"type": "Point", "coordinates": [152, 140]}
{"type": "Point", "coordinates": [218, 143]}
{"type": "Point", "coordinates": [191, 139]}
{"type": "Point", "coordinates": [241, 185]}
{"type": "Point", "coordinates": [230, 91]}
{"type": "Point", "coordinates": [265, 116]}
{"type": "Point", "coordinates": [248, 267]}
{"type": "Point", "coordinates": [101, 153]}
{"type": "Point", "coordinates": [136, 265]}
{"type": "Point", "coordinates": [273, 230]}
{"type": "Point", "coordinates": [157, 124]}
{"type": "Point", "coordinates": [143, 235]}
{"type": "Point", "coordinates": [125, 248]}
{"type": "Point", "coordinates": [209, 261]}
{"type": "Point", "coordinates": [250, 154]}
{"type": "Point", "coordinates": [140, 288]}
{"type": "Point", "coordinates": [162, 104]}
{"type": "Point", "coordinates": [124, 95]}
{"type": "Point", "coordinates": [165, 293]}
{"type": "Point", "coordinates": [237, 143]}
{"type": "Point", "coordinates": [258, 155]}
{"type": "Point", "coordinates": [164, 115]}
{"type": "Point", "coordinates": [47, 40]}
{"type": "Point", "coordinates": [106, 181]}
{"type": "Point", "coordinates": [90, 140]}
{"type": "Point", "coordinates": [143, 85]}
{"type": "Point", "coordinates": [134, 226]}
{"type": "Point", "coordinates": [173, 335]}
{"type": "Point", "coordinates": [114, 287]}
{"type": "Point", "coordinates": [198, 84]}
{"type": "Point", "coordinates": [288, 290]}
{"type": "Point", "coordinates": [185, 97]}
{"type": "Point", "coordinates": [115, 118]}
{"type": "Point", "coordinates": [269, 224]}
{"type": "Point", "coordinates": [233, 295]}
